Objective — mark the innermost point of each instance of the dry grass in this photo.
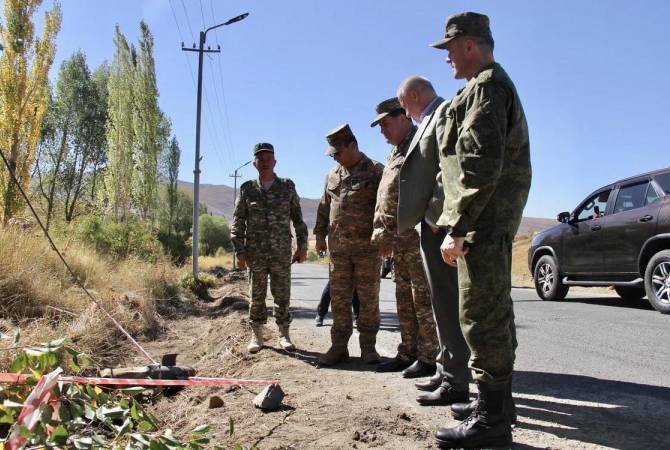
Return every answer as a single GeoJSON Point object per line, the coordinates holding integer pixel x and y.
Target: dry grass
{"type": "Point", "coordinates": [39, 296]}
{"type": "Point", "coordinates": [521, 277]}
{"type": "Point", "coordinates": [207, 263]}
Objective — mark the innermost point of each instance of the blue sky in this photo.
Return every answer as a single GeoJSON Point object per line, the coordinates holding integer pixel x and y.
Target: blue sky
{"type": "Point", "coordinates": [591, 76]}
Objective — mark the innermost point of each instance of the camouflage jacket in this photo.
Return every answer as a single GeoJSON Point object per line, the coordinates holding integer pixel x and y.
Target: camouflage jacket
{"type": "Point", "coordinates": [261, 222]}
{"type": "Point", "coordinates": [348, 205]}
{"type": "Point", "coordinates": [484, 157]}
{"type": "Point", "coordinates": [386, 210]}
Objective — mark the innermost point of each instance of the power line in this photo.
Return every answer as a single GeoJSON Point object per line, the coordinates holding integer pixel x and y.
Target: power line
{"type": "Point", "coordinates": [223, 90]}
{"type": "Point", "coordinates": [209, 124]}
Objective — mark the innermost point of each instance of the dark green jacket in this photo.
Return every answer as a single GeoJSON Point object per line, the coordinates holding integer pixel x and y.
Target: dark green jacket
{"type": "Point", "coordinates": [484, 158]}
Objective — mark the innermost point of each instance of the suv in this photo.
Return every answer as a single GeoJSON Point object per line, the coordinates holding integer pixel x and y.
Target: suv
{"type": "Point", "coordinates": [618, 236]}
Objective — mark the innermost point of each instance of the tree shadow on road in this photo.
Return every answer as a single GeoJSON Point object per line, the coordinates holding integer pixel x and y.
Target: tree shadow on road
{"type": "Point", "coordinates": [603, 412]}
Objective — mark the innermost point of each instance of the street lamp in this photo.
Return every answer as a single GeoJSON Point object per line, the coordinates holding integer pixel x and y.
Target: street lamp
{"type": "Point", "coordinates": [236, 176]}
{"type": "Point", "coordinates": [196, 171]}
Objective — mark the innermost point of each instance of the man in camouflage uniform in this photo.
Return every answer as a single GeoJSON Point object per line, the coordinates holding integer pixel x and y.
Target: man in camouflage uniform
{"type": "Point", "coordinates": [261, 235]}
{"type": "Point", "coordinates": [486, 173]}
{"type": "Point", "coordinates": [345, 216]}
{"type": "Point", "coordinates": [418, 346]}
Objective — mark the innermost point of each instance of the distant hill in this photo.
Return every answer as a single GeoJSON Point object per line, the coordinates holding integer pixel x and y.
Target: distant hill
{"type": "Point", "coordinates": [219, 200]}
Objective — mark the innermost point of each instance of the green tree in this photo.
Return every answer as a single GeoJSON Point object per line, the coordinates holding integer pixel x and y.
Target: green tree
{"type": "Point", "coordinates": [24, 69]}
{"type": "Point", "coordinates": [214, 233]}
{"type": "Point", "coordinates": [73, 137]}
{"type": "Point", "coordinates": [120, 169]}
{"type": "Point", "coordinates": [171, 162]}
{"type": "Point", "coordinates": [146, 123]}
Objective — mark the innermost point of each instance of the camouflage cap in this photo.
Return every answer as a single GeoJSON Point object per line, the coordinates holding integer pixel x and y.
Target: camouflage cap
{"type": "Point", "coordinates": [465, 24]}
{"type": "Point", "coordinates": [263, 147]}
{"type": "Point", "coordinates": [385, 108]}
{"type": "Point", "coordinates": [337, 137]}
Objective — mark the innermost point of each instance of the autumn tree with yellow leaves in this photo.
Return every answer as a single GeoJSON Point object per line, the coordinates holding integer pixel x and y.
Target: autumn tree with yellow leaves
{"type": "Point", "coordinates": [24, 69]}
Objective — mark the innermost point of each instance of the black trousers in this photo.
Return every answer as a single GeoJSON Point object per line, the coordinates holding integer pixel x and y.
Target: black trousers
{"type": "Point", "coordinates": [324, 303]}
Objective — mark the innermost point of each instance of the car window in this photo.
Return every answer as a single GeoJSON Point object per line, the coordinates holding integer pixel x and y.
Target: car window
{"type": "Point", "coordinates": [593, 207]}
{"type": "Point", "coordinates": [664, 181]}
{"type": "Point", "coordinates": [651, 196]}
{"type": "Point", "coordinates": [631, 197]}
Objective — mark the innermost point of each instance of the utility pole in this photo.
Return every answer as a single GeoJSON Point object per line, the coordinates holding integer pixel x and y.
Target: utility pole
{"type": "Point", "coordinates": [236, 176]}
{"type": "Point", "coordinates": [196, 171]}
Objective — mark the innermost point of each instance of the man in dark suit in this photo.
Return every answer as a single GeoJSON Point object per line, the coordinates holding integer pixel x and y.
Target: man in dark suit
{"type": "Point", "coordinates": [420, 203]}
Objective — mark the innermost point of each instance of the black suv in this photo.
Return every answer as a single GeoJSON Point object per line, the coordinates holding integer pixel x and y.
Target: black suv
{"type": "Point", "coordinates": [618, 236]}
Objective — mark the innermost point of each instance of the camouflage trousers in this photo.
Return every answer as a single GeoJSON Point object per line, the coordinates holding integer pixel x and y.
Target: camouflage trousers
{"type": "Point", "coordinates": [279, 273]}
{"type": "Point", "coordinates": [486, 309]}
{"type": "Point", "coordinates": [415, 312]}
{"type": "Point", "coordinates": [349, 272]}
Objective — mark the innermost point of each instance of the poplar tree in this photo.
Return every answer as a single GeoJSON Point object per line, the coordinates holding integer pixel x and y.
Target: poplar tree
{"type": "Point", "coordinates": [120, 133]}
{"type": "Point", "coordinates": [24, 92]}
{"type": "Point", "coordinates": [146, 124]}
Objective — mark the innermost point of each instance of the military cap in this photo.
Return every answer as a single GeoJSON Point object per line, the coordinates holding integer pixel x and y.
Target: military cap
{"type": "Point", "coordinates": [263, 147]}
{"type": "Point", "coordinates": [337, 137]}
{"type": "Point", "coordinates": [385, 108]}
{"type": "Point", "coordinates": [465, 24]}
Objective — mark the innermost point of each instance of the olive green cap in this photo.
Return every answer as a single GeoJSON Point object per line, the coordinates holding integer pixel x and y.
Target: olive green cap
{"type": "Point", "coordinates": [465, 24]}
{"type": "Point", "coordinates": [387, 107]}
{"type": "Point", "coordinates": [263, 147]}
{"type": "Point", "coordinates": [337, 137]}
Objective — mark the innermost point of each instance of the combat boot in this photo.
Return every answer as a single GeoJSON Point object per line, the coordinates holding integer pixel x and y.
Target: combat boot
{"type": "Point", "coordinates": [256, 342]}
{"type": "Point", "coordinates": [285, 339]}
{"type": "Point", "coordinates": [461, 411]}
{"type": "Point", "coordinates": [487, 426]}
{"type": "Point", "coordinates": [370, 356]}
{"type": "Point", "coordinates": [334, 355]}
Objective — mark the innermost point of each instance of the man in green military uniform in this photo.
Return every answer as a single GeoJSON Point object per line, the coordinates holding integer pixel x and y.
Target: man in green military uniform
{"type": "Point", "coordinates": [261, 235]}
{"type": "Point", "coordinates": [345, 216]}
{"type": "Point", "coordinates": [418, 346]}
{"type": "Point", "coordinates": [486, 173]}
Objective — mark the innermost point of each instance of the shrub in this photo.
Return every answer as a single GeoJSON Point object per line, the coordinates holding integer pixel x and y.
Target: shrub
{"type": "Point", "coordinates": [176, 245]}
{"type": "Point", "coordinates": [199, 286]}
{"type": "Point", "coordinates": [214, 233]}
{"type": "Point", "coordinates": [121, 240]}
{"type": "Point", "coordinates": [312, 256]}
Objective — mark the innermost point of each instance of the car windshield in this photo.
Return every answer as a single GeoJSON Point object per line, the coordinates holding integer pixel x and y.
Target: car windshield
{"type": "Point", "coordinates": [664, 181]}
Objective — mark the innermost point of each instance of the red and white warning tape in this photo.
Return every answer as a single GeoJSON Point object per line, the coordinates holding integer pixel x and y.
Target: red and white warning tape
{"type": "Point", "coordinates": [191, 381]}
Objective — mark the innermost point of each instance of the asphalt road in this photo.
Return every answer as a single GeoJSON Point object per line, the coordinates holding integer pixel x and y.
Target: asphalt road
{"type": "Point", "coordinates": [589, 364]}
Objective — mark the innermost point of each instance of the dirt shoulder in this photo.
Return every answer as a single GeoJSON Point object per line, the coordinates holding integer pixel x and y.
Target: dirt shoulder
{"type": "Point", "coordinates": [350, 406]}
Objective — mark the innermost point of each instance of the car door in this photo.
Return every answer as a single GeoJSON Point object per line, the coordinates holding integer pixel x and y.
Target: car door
{"type": "Point", "coordinates": [632, 222]}
{"type": "Point", "coordinates": [583, 239]}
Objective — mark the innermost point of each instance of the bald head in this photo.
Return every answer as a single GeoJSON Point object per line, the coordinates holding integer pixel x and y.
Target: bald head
{"type": "Point", "coordinates": [415, 93]}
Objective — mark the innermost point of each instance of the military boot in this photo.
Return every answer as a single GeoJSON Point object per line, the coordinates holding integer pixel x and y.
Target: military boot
{"type": "Point", "coordinates": [334, 355]}
{"type": "Point", "coordinates": [461, 411]}
{"type": "Point", "coordinates": [370, 356]}
{"type": "Point", "coordinates": [256, 342]}
{"type": "Point", "coordinates": [284, 338]}
{"type": "Point", "coordinates": [487, 426]}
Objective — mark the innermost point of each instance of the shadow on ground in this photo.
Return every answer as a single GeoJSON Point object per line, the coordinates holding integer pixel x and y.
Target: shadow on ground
{"type": "Point", "coordinates": [588, 409]}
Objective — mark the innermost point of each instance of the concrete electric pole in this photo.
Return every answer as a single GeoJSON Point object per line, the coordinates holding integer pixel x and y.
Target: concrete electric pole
{"type": "Point", "coordinates": [236, 176]}
{"type": "Point", "coordinates": [196, 171]}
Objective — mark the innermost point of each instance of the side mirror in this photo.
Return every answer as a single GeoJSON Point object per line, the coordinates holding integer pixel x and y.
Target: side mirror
{"type": "Point", "coordinates": [563, 217]}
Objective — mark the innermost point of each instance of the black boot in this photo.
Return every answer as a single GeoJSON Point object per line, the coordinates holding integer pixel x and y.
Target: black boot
{"type": "Point", "coordinates": [431, 384]}
{"type": "Point", "coordinates": [487, 426]}
{"type": "Point", "coordinates": [461, 411]}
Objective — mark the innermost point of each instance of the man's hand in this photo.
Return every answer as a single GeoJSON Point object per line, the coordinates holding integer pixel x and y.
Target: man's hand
{"type": "Point", "coordinates": [321, 246]}
{"type": "Point", "coordinates": [300, 255]}
{"type": "Point", "coordinates": [433, 228]}
{"type": "Point", "coordinates": [452, 248]}
{"type": "Point", "coordinates": [241, 262]}
{"type": "Point", "coordinates": [385, 250]}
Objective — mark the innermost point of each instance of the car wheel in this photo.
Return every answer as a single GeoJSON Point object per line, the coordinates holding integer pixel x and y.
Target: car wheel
{"type": "Point", "coordinates": [657, 281]}
{"type": "Point", "coordinates": [548, 281]}
{"type": "Point", "coordinates": [630, 293]}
